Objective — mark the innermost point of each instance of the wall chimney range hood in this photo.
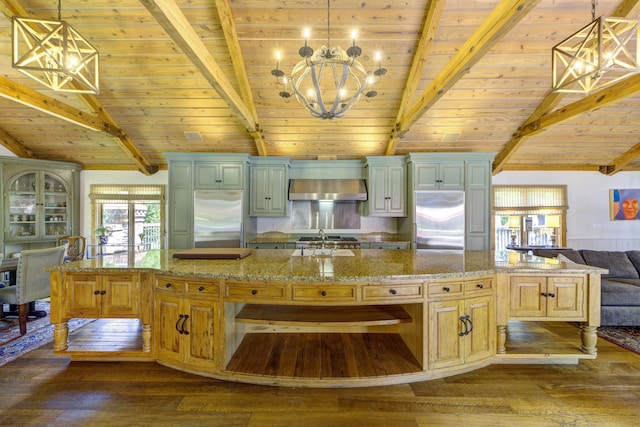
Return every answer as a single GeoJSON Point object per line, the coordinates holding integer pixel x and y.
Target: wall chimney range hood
{"type": "Point", "coordinates": [327, 189]}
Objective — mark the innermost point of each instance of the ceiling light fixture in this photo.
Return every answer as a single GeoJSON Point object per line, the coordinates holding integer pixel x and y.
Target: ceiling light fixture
{"type": "Point", "coordinates": [330, 81]}
{"type": "Point", "coordinates": [55, 54]}
{"type": "Point", "coordinates": [600, 54]}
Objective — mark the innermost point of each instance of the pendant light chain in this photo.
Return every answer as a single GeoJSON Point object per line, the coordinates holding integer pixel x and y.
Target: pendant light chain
{"type": "Point", "coordinates": [328, 23]}
{"type": "Point", "coordinates": [59, 10]}
{"type": "Point", "coordinates": [593, 9]}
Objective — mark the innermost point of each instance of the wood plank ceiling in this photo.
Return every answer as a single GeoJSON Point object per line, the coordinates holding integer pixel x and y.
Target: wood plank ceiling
{"type": "Point", "coordinates": [463, 76]}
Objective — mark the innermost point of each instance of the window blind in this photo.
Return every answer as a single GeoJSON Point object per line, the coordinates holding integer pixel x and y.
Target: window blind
{"type": "Point", "coordinates": [530, 199]}
{"type": "Point", "coordinates": [125, 193]}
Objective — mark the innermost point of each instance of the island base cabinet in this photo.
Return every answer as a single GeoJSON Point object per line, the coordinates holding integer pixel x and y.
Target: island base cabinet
{"type": "Point", "coordinates": [460, 332]}
{"type": "Point", "coordinates": [107, 295]}
{"type": "Point", "coordinates": [185, 331]}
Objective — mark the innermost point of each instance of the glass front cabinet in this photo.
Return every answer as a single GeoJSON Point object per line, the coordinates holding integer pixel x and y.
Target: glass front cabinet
{"type": "Point", "coordinates": [39, 205]}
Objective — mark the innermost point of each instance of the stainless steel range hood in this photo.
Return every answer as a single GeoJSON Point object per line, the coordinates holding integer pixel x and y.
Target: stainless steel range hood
{"type": "Point", "coordinates": [327, 189]}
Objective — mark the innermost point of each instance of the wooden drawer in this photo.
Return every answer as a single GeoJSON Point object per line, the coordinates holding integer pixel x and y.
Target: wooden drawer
{"type": "Point", "coordinates": [170, 284]}
{"type": "Point", "coordinates": [249, 291]}
{"type": "Point", "coordinates": [480, 285]}
{"type": "Point", "coordinates": [207, 288]}
{"type": "Point", "coordinates": [392, 292]}
{"type": "Point", "coordinates": [445, 289]}
{"type": "Point", "coordinates": [328, 292]}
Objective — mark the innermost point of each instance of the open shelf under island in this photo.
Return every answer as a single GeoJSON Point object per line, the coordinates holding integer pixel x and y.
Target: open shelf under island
{"type": "Point", "coordinates": [378, 317]}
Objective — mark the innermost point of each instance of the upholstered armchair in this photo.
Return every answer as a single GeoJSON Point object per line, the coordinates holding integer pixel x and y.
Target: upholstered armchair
{"type": "Point", "coordinates": [32, 282]}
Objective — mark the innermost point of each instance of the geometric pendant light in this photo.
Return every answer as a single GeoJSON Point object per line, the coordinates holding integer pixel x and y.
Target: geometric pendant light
{"type": "Point", "coordinates": [55, 54]}
{"type": "Point", "coordinates": [600, 54]}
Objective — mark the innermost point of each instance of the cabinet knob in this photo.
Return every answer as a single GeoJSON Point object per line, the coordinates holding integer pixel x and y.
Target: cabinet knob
{"type": "Point", "coordinates": [96, 292]}
{"type": "Point", "coordinates": [323, 293]}
{"type": "Point", "coordinates": [201, 288]}
{"type": "Point", "coordinates": [103, 292]}
{"type": "Point", "coordinates": [552, 295]}
{"type": "Point", "coordinates": [446, 289]}
{"type": "Point", "coordinates": [167, 285]}
{"type": "Point", "coordinates": [254, 291]}
{"type": "Point", "coordinates": [393, 291]}
{"type": "Point", "coordinates": [480, 285]}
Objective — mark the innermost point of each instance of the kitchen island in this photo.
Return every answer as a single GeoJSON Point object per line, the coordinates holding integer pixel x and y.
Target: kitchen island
{"type": "Point", "coordinates": [366, 317]}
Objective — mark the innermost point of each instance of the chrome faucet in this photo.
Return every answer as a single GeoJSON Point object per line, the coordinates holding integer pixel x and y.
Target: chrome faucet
{"type": "Point", "coordinates": [321, 233]}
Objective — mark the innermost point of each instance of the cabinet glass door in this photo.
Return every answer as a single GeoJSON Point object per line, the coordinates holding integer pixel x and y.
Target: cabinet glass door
{"type": "Point", "coordinates": [56, 219]}
{"type": "Point", "coordinates": [23, 212]}
{"type": "Point", "coordinates": [37, 207]}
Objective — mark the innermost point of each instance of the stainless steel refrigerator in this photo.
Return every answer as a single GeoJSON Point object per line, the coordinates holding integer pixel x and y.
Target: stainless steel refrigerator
{"type": "Point", "coordinates": [439, 220]}
{"type": "Point", "coordinates": [217, 219]}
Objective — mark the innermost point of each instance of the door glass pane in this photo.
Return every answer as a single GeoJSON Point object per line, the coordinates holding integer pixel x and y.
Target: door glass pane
{"type": "Point", "coordinates": [133, 226]}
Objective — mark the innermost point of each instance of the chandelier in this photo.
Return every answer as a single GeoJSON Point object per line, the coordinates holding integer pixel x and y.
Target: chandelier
{"type": "Point", "coordinates": [600, 54]}
{"type": "Point", "coordinates": [55, 54]}
{"type": "Point", "coordinates": [329, 81]}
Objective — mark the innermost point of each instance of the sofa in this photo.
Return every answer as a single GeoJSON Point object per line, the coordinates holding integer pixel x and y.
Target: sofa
{"type": "Point", "coordinates": [620, 305]}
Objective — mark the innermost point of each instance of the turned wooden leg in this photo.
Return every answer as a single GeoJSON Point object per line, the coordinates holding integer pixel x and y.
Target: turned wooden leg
{"type": "Point", "coordinates": [502, 339]}
{"type": "Point", "coordinates": [60, 336]}
{"type": "Point", "coordinates": [23, 313]}
{"type": "Point", "coordinates": [146, 338]}
{"type": "Point", "coordinates": [589, 337]}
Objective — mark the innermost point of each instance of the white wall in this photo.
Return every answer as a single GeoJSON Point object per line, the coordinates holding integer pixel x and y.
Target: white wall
{"type": "Point", "coordinates": [588, 223]}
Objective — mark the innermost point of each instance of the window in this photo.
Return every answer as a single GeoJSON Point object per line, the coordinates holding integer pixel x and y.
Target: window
{"type": "Point", "coordinates": [133, 214]}
{"type": "Point", "coordinates": [529, 215]}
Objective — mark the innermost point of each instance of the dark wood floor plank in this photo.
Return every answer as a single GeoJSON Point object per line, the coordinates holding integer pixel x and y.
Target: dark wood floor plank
{"type": "Point", "coordinates": [42, 389]}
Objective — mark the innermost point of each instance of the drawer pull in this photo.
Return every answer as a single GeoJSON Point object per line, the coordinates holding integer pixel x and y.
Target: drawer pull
{"type": "Point", "coordinates": [167, 285]}
{"type": "Point", "coordinates": [254, 292]}
{"type": "Point", "coordinates": [201, 288]}
{"type": "Point", "coordinates": [393, 291]}
{"type": "Point", "coordinates": [446, 289]}
{"type": "Point", "coordinates": [323, 293]}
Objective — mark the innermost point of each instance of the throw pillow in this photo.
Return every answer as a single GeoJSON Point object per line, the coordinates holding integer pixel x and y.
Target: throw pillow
{"type": "Point", "coordinates": [564, 259]}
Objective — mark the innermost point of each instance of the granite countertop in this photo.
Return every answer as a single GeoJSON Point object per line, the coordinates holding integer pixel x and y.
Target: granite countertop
{"type": "Point", "coordinates": [364, 265]}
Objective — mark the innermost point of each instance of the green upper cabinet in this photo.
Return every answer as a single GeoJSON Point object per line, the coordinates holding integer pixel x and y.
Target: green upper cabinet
{"type": "Point", "coordinates": [386, 186]}
{"type": "Point", "coordinates": [439, 176]}
{"type": "Point", "coordinates": [226, 175]}
{"type": "Point", "coordinates": [268, 187]}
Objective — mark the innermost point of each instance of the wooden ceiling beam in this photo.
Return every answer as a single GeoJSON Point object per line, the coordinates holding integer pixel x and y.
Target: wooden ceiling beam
{"type": "Point", "coordinates": [626, 8]}
{"type": "Point", "coordinates": [500, 21]}
{"type": "Point", "coordinates": [173, 21]}
{"type": "Point", "coordinates": [25, 96]}
{"type": "Point", "coordinates": [231, 37]}
{"type": "Point", "coordinates": [429, 27]}
{"type": "Point", "coordinates": [13, 145]}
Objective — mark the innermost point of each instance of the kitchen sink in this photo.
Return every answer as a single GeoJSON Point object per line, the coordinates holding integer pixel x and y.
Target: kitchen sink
{"type": "Point", "coordinates": [325, 253]}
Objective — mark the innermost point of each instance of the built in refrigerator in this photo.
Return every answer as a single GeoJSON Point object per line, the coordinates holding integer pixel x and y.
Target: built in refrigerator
{"type": "Point", "coordinates": [217, 219]}
{"type": "Point", "coordinates": [439, 220]}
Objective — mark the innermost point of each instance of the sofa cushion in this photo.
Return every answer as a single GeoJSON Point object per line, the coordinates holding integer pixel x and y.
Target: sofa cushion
{"type": "Point", "coordinates": [624, 292]}
{"type": "Point", "coordinates": [618, 263]}
{"type": "Point", "coordinates": [572, 254]}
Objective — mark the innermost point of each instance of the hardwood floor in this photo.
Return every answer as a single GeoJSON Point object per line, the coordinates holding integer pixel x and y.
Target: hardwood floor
{"type": "Point", "coordinates": [40, 389]}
